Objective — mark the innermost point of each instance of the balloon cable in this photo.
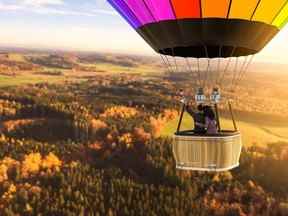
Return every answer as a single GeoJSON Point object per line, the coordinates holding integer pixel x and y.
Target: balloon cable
{"type": "Point", "coordinates": [218, 66]}
{"type": "Point", "coordinates": [169, 63]}
{"type": "Point", "coordinates": [199, 73]}
{"type": "Point", "coordinates": [165, 63]}
{"type": "Point", "coordinates": [194, 74]}
{"type": "Point", "coordinates": [226, 68]}
{"type": "Point", "coordinates": [245, 70]}
{"type": "Point", "coordinates": [240, 72]}
{"type": "Point", "coordinates": [175, 61]}
{"type": "Point", "coordinates": [207, 69]}
{"type": "Point", "coordinates": [234, 74]}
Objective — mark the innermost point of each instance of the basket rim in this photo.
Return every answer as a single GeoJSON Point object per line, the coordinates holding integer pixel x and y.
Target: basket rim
{"type": "Point", "coordinates": [221, 134]}
{"type": "Point", "coordinates": [191, 168]}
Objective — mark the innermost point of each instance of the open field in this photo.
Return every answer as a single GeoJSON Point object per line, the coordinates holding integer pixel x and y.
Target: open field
{"type": "Point", "coordinates": [252, 134]}
{"type": "Point", "coordinates": [141, 70]}
{"type": "Point", "coordinates": [30, 77]}
{"type": "Point", "coordinates": [27, 79]}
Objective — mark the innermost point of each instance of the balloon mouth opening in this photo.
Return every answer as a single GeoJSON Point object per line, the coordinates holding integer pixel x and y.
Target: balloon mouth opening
{"type": "Point", "coordinates": [208, 51]}
{"type": "Point", "coordinates": [208, 38]}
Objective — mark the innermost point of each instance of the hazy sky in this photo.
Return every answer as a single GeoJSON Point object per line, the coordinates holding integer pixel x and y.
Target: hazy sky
{"type": "Point", "coordinates": [86, 25]}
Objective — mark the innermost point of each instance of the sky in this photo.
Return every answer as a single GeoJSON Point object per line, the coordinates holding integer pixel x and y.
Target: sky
{"type": "Point", "coordinates": [87, 25]}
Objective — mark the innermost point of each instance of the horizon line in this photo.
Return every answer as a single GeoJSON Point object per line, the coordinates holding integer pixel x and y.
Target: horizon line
{"type": "Point", "coordinates": [24, 48]}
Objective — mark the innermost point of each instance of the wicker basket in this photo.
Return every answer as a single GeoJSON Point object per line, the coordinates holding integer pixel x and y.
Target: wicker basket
{"type": "Point", "coordinates": [207, 153]}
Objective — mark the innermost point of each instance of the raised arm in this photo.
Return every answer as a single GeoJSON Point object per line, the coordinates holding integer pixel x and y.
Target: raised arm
{"type": "Point", "coordinates": [190, 110]}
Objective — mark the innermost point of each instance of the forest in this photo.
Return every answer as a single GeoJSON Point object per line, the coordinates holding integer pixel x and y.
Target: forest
{"type": "Point", "coordinates": [95, 147]}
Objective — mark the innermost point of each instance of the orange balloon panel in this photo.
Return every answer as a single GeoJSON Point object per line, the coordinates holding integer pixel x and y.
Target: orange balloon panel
{"type": "Point", "coordinates": [237, 11]}
{"type": "Point", "coordinates": [186, 8]}
{"type": "Point", "coordinates": [213, 8]}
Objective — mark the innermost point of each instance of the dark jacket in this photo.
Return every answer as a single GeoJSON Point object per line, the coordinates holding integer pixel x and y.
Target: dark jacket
{"type": "Point", "coordinates": [199, 120]}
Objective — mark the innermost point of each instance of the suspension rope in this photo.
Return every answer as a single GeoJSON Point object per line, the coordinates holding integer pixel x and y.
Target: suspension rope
{"type": "Point", "coordinates": [247, 66]}
{"type": "Point", "coordinates": [241, 71]}
{"type": "Point", "coordinates": [199, 72]}
{"type": "Point", "coordinates": [207, 69]}
{"type": "Point", "coordinates": [224, 72]}
{"type": "Point", "coordinates": [169, 63]}
{"type": "Point", "coordinates": [192, 71]}
{"type": "Point", "coordinates": [194, 74]}
{"type": "Point", "coordinates": [234, 73]}
{"type": "Point", "coordinates": [165, 63]}
{"type": "Point", "coordinates": [245, 70]}
{"type": "Point", "coordinates": [207, 78]}
{"type": "Point", "coordinates": [176, 66]}
{"type": "Point", "coordinates": [226, 68]}
{"type": "Point", "coordinates": [175, 60]}
{"type": "Point", "coordinates": [218, 66]}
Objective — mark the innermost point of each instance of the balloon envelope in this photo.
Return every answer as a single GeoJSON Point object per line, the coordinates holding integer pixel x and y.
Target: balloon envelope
{"type": "Point", "coordinates": [205, 28]}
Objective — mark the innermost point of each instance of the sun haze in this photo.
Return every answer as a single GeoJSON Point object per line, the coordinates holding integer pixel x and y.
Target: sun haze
{"type": "Point", "coordinates": [87, 25]}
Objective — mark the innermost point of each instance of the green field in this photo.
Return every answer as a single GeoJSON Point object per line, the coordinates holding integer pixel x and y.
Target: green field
{"type": "Point", "coordinates": [142, 69]}
{"type": "Point", "coordinates": [27, 79]}
{"type": "Point", "coordinates": [252, 133]}
{"type": "Point", "coordinates": [17, 57]}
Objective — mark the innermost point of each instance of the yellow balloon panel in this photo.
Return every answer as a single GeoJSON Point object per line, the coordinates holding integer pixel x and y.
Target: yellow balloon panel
{"type": "Point", "coordinates": [215, 9]}
{"type": "Point", "coordinates": [282, 18]}
{"type": "Point", "coordinates": [242, 9]}
{"type": "Point", "coordinates": [267, 10]}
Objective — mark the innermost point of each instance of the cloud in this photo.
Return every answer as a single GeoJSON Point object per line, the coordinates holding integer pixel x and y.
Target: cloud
{"type": "Point", "coordinates": [67, 12]}
{"type": "Point", "coordinates": [11, 7]}
{"type": "Point", "coordinates": [102, 11]}
{"type": "Point", "coordinates": [102, 4]}
{"type": "Point", "coordinates": [52, 7]}
{"type": "Point", "coordinates": [41, 2]}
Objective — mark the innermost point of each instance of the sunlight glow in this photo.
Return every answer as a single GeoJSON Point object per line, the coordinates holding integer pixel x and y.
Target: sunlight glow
{"type": "Point", "coordinates": [60, 24]}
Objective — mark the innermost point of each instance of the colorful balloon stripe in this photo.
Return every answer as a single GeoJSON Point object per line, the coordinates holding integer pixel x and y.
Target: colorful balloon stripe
{"type": "Point", "coordinates": [237, 12]}
{"type": "Point", "coordinates": [125, 12]}
{"type": "Point", "coordinates": [187, 8]}
{"type": "Point", "coordinates": [141, 12]}
{"type": "Point", "coordinates": [156, 8]}
{"type": "Point", "coordinates": [212, 8]}
{"type": "Point", "coordinates": [282, 17]}
{"type": "Point", "coordinates": [267, 10]}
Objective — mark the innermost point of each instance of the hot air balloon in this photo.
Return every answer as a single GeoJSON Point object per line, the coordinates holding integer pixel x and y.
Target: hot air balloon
{"type": "Point", "coordinates": [225, 35]}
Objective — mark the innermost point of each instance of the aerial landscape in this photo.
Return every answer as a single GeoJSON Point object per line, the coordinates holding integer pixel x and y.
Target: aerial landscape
{"type": "Point", "coordinates": [91, 134]}
{"type": "Point", "coordinates": [86, 130]}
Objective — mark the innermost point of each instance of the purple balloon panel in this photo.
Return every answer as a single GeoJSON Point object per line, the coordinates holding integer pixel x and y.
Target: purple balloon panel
{"type": "Point", "coordinates": [141, 11]}
{"type": "Point", "coordinates": [125, 12]}
{"type": "Point", "coordinates": [161, 9]}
